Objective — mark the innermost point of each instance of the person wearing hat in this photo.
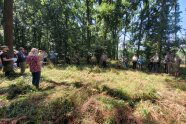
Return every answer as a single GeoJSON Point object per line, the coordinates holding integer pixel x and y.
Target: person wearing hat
{"type": "Point", "coordinates": [21, 59]}
{"type": "Point", "coordinates": [7, 61]}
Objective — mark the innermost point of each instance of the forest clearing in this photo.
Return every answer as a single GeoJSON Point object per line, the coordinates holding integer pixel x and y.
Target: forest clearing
{"type": "Point", "coordinates": [92, 62]}
{"type": "Point", "coordinates": [91, 95]}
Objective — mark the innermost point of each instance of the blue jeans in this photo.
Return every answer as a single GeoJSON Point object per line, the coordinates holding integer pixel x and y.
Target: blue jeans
{"type": "Point", "coordinates": [125, 64]}
{"type": "Point", "coordinates": [36, 78]}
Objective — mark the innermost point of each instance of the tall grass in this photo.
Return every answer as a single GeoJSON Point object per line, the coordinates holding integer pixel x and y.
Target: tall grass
{"type": "Point", "coordinates": [72, 94]}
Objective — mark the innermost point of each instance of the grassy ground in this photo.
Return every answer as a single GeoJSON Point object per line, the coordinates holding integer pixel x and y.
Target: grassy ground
{"type": "Point", "coordinates": [90, 95]}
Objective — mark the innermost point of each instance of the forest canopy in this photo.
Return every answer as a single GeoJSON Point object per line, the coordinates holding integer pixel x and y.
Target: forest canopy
{"type": "Point", "coordinates": [82, 26]}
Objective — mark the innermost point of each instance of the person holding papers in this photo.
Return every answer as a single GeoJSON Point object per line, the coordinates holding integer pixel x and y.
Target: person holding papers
{"type": "Point", "coordinates": [7, 61]}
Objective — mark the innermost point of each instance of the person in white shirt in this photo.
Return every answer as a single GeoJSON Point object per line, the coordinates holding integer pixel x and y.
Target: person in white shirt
{"type": "Point", "coordinates": [134, 61]}
{"type": "Point", "coordinates": [156, 60]}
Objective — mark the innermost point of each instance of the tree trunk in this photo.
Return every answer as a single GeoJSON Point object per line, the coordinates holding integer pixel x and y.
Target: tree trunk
{"type": "Point", "coordinates": [88, 31]}
{"type": "Point", "coordinates": [88, 24]}
{"type": "Point", "coordinates": [8, 25]}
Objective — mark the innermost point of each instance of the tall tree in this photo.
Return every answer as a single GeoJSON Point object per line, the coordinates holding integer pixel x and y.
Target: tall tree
{"type": "Point", "coordinates": [8, 23]}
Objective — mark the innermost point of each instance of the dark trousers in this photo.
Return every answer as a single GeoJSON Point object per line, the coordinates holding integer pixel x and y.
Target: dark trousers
{"type": "Point", "coordinates": [7, 73]}
{"type": "Point", "coordinates": [166, 68]}
{"type": "Point", "coordinates": [134, 64]}
{"type": "Point", "coordinates": [36, 78]}
{"type": "Point", "coordinates": [53, 61]}
{"type": "Point", "coordinates": [150, 66]}
{"type": "Point", "coordinates": [156, 67]}
{"type": "Point", "coordinates": [104, 64]}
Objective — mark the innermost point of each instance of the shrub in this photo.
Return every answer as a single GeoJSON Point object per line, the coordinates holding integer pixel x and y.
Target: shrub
{"type": "Point", "coordinates": [59, 109]}
{"type": "Point", "coordinates": [20, 108]}
{"type": "Point", "coordinates": [19, 88]}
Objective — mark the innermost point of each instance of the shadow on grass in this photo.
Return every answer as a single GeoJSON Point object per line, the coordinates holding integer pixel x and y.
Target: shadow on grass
{"type": "Point", "coordinates": [15, 90]}
{"type": "Point", "coordinates": [57, 84]}
{"type": "Point", "coordinates": [3, 90]}
{"type": "Point", "coordinates": [119, 94]}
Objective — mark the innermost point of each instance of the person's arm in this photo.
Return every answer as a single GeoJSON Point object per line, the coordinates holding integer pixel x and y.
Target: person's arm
{"type": "Point", "coordinates": [38, 59]}
{"type": "Point", "coordinates": [18, 55]}
{"type": "Point", "coordinates": [5, 59]}
{"type": "Point", "coordinates": [27, 60]}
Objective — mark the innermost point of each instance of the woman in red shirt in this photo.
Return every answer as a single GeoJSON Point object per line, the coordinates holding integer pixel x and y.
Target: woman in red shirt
{"type": "Point", "coordinates": [33, 60]}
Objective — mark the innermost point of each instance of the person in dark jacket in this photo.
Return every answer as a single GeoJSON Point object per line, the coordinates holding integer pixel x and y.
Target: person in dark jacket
{"type": "Point", "coordinates": [7, 61]}
{"type": "Point", "coordinates": [21, 59]}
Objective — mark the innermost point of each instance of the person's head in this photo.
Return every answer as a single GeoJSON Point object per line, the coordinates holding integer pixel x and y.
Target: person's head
{"type": "Point", "coordinates": [34, 52]}
{"type": "Point", "coordinates": [5, 48]}
{"type": "Point", "coordinates": [40, 51]}
{"type": "Point", "coordinates": [15, 52]}
{"type": "Point", "coordinates": [21, 49]}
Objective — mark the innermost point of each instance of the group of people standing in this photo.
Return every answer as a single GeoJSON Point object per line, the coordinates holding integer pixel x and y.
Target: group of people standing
{"type": "Point", "coordinates": [8, 61]}
{"type": "Point", "coordinates": [101, 60]}
{"type": "Point", "coordinates": [170, 63]}
{"type": "Point", "coordinates": [34, 59]}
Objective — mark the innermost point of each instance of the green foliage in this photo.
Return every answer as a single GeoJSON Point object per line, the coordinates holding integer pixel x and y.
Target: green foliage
{"type": "Point", "coordinates": [59, 108]}
{"type": "Point", "coordinates": [110, 103]}
{"type": "Point", "coordinates": [20, 107]}
{"type": "Point", "coordinates": [105, 9]}
{"type": "Point", "coordinates": [78, 26]}
{"type": "Point", "coordinates": [145, 113]}
{"type": "Point", "coordinates": [148, 94]}
{"type": "Point", "coordinates": [109, 120]}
